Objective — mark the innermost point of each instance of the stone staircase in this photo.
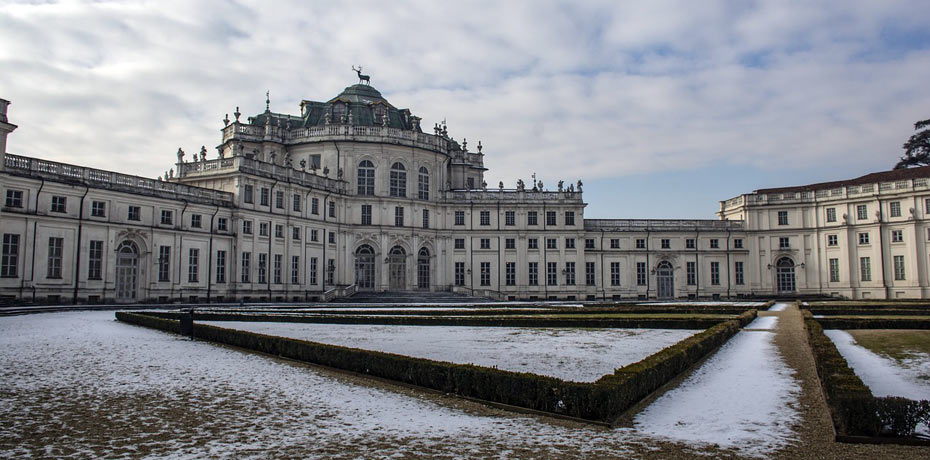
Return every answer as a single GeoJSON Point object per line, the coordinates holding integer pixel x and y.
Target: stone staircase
{"type": "Point", "coordinates": [409, 297]}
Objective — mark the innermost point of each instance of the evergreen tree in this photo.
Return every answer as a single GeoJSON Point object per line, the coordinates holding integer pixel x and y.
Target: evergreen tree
{"type": "Point", "coordinates": [917, 148]}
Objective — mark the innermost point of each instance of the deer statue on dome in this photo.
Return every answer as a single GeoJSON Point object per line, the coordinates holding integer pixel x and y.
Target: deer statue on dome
{"type": "Point", "coordinates": [362, 78]}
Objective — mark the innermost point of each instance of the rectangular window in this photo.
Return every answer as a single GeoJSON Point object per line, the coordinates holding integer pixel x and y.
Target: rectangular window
{"type": "Point", "coordinates": [569, 243]}
{"type": "Point", "coordinates": [460, 243]}
{"type": "Point", "coordinates": [263, 228]}
{"type": "Point", "coordinates": [314, 235]}
{"type": "Point", "coordinates": [570, 273]}
{"type": "Point", "coordinates": [640, 243]}
{"type": "Point", "coordinates": [164, 264]}
{"type": "Point", "coordinates": [897, 236]}
{"type": "Point", "coordinates": [134, 213]}
{"type": "Point", "coordinates": [246, 266]}
{"type": "Point", "coordinates": [460, 273]}
{"type": "Point", "coordinates": [196, 220]}
{"type": "Point", "coordinates": [295, 269]}
{"type": "Point", "coordinates": [615, 243]}
{"type": "Point", "coordinates": [279, 231]}
{"type": "Point", "coordinates": [666, 243]}
{"type": "Point", "coordinates": [459, 217]}
{"type": "Point", "coordinates": [714, 243]}
{"type": "Point", "coordinates": [295, 233]}
{"type": "Point", "coordinates": [715, 273]}
{"type": "Point", "coordinates": [864, 238]}
{"type": "Point", "coordinates": [279, 199]}
{"type": "Point", "coordinates": [865, 269]}
{"type": "Point", "coordinates": [222, 224]}
{"type": "Point", "coordinates": [247, 193]}
{"type": "Point", "coordinates": [738, 243]}
{"type": "Point", "coordinates": [14, 198]}
{"type": "Point", "coordinates": [366, 214]}
{"type": "Point", "coordinates": [510, 243]}
{"type": "Point", "coordinates": [59, 203]}
{"type": "Point", "coordinates": [426, 218]}
{"type": "Point", "coordinates": [927, 205]}
{"type": "Point", "coordinates": [510, 274]}
{"type": "Point", "coordinates": [832, 240]}
{"type": "Point", "coordinates": [313, 270]}
{"type": "Point", "coordinates": [9, 262]}
{"type": "Point", "coordinates": [533, 274]}
{"type": "Point", "coordinates": [895, 208]}
{"type": "Point", "coordinates": [691, 273]}
{"type": "Point", "coordinates": [552, 243]}
{"type": "Point", "coordinates": [263, 268]}
{"type": "Point", "coordinates": [862, 212]}
{"type": "Point", "coordinates": [193, 265]}
{"type": "Point", "coordinates": [738, 273]}
{"type": "Point", "coordinates": [531, 218]}
{"type": "Point", "coordinates": [264, 196]}
{"type": "Point", "coordinates": [640, 273]}
{"type": "Point", "coordinates": [782, 217]}
{"type": "Point", "coordinates": [899, 268]}
{"type": "Point", "coordinates": [55, 253]}
{"type": "Point", "coordinates": [589, 243]}
{"type": "Point", "coordinates": [834, 270]}
{"type": "Point", "coordinates": [552, 274]}
{"type": "Point", "coordinates": [615, 273]}
{"type": "Point", "coordinates": [95, 260]}
{"type": "Point", "coordinates": [689, 243]}
{"type": "Point", "coordinates": [332, 209]}
{"type": "Point", "coordinates": [589, 269]}
{"type": "Point", "coordinates": [831, 214]}
{"type": "Point", "coordinates": [399, 216]}
{"type": "Point", "coordinates": [315, 206]}
{"type": "Point", "coordinates": [296, 203]}
{"type": "Point", "coordinates": [332, 237]}
{"type": "Point", "coordinates": [485, 243]}
{"type": "Point", "coordinates": [276, 269]}
{"type": "Point", "coordinates": [220, 266]}
{"type": "Point", "coordinates": [485, 273]}
{"type": "Point", "coordinates": [569, 218]}
{"type": "Point", "coordinates": [485, 218]}
{"type": "Point", "coordinates": [784, 242]}
{"type": "Point", "coordinates": [550, 217]}
{"type": "Point", "coordinates": [98, 209]}
{"type": "Point", "coordinates": [509, 218]}
{"type": "Point", "coordinates": [331, 271]}
{"type": "Point", "coordinates": [532, 243]}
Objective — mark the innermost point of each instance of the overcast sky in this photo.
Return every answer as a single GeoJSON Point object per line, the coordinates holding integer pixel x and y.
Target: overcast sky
{"type": "Point", "coordinates": [662, 108]}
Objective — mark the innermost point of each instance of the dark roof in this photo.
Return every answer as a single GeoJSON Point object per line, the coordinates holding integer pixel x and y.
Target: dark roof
{"type": "Point", "coordinates": [883, 176]}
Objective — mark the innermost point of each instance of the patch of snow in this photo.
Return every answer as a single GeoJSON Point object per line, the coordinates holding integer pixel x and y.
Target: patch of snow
{"type": "Point", "coordinates": [884, 376]}
{"type": "Point", "coordinates": [580, 355]}
{"type": "Point", "coordinates": [744, 397]}
{"type": "Point", "coordinates": [763, 323]}
{"type": "Point", "coordinates": [780, 306]}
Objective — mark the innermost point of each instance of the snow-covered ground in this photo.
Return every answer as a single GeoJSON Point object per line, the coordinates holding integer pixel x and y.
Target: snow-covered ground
{"type": "Point", "coordinates": [580, 355]}
{"type": "Point", "coordinates": [780, 306]}
{"type": "Point", "coordinates": [709, 303]}
{"type": "Point", "coordinates": [763, 323]}
{"type": "Point", "coordinates": [883, 375]}
{"type": "Point", "coordinates": [744, 397]}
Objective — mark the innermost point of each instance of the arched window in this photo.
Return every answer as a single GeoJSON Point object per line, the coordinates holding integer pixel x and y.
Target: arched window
{"type": "Point", "coordinates": [423, 269]}
{"type": "Point", "coordinates": [784, 275]}
{"type": "Point", "coordinates": [423, 184]}
{"type": "Point", "coordinates": [365, 267]}
{"type": "Point", "coordinates": [366, 178]}
{"type": "Point", "coordinates": [398, 180]}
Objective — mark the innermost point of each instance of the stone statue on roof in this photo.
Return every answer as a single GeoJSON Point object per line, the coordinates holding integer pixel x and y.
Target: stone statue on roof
{"type": "Point", "coordinates": [180, 155]}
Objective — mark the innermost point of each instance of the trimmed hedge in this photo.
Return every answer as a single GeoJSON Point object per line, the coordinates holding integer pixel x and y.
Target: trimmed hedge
{"type": "Point", "coordinates": [604, 400]}
{"type": "Point", "coordinates": [855, 411]}
{"type": "Point", "coordinates": [875, 323]}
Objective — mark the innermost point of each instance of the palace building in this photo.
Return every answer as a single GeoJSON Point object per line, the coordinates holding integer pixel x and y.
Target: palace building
{"type": "Point", "coordinates": [352, 195]}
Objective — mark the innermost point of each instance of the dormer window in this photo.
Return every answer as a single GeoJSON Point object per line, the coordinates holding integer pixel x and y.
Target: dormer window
{"type": "Point", "coordinates": [379, 111]}
{"type": "Point", "coordinates": [339, 112]}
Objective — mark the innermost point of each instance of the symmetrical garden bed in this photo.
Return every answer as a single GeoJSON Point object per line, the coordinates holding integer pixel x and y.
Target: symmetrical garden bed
{"type": "Point", "coordinates": [602, 400]}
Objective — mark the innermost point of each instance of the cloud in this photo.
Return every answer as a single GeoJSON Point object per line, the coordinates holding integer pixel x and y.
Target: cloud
{"type": "Point", "coordinates": [576, 90]}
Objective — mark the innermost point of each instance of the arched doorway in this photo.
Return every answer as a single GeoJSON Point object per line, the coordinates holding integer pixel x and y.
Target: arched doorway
{"type": "Point", "coordinates": [127, 271]}
{"type": "Point", "coordinates": [665, 280]}
{"type": "Point", "coordinates": [784, 275]}
{"type": "Point", "coordinates": [365, 267]}
{"type": "Point", "coordinates": [423, 269]}
{"type": "Point", "coordinates": [397, 269]}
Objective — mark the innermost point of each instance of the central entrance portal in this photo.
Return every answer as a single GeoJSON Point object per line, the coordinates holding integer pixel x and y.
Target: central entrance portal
{"type": "Point", "coordinates": [127, 271]}
{"type": "Point", "coordinates": [365, 267]}
{"type": "Point", "coordinates": [397, 269]}
{"type": "Point", "coordinates": [665, 281]}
